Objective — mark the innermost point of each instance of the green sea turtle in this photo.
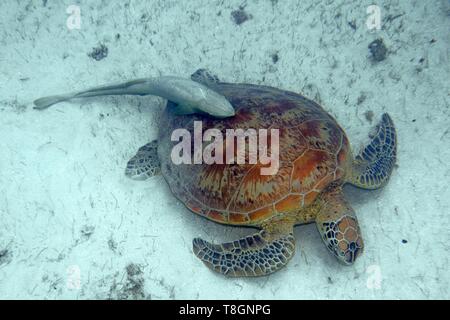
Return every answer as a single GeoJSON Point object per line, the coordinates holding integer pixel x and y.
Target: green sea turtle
{"type": "Point", "coordinates": [315, 160]}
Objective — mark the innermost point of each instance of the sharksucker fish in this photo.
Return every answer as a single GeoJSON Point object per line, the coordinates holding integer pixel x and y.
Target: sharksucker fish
{"type": "Point", "coordinates": [190, 96]}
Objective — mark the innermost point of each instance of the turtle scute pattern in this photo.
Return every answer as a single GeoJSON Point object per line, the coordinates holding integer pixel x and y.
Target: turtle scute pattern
{"type": "Point", "coordinates": [251, 256]}
{"type": "Point", "coordinates": [313, 149]}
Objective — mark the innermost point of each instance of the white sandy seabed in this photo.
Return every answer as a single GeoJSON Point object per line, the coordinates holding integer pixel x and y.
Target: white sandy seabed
{"type": "Point", "coordinates": [73, 226]}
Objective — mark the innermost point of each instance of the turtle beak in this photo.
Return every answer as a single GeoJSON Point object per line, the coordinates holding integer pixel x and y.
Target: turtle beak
{"type": "Point", "coordinates": [347, 250]}
{"type": "Point", "coordinates": [353, 251]}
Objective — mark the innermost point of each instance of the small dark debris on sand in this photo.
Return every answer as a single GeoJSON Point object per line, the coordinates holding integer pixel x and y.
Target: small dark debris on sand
{"type": "Point", "coordinates": [133, 270]}
{"type": "Point", "coordinates": [131, 288]}
{"type": "Point", "coordinates": [352, 24]}
{"type": "Point", "coordinates": [362, 97]}
{"type": "Point", "coordinates": [275, 57]}
{"type": "Point", "coordinates": [391, 17]}
{"type": "Point", "coordinates": [14, 105]}
{"type": "Point", "coordinates": [112, 245]}
{"type": "Point", "coordinates": [369, 115]}
{"type": "Point", "coordinates": [240, 16]}
{"type": "Point", "coordinates": [378, 50]}
{"type": "Point", "coordinates": [99, 53]}
{"type": "Point", "coordinates": [5, 256]}
{"type": "Point", "coordinates": [422, 64]}
{"type": "Point", "coordinates": [134, 286]}
{"type": "Point", "coordinates": [86, 232]}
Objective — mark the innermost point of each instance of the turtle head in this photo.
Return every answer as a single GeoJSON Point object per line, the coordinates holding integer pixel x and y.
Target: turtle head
{"type": "Point", "coordinates": [343, 239]}
{"type": "Point", "coordinates": [338, 226]}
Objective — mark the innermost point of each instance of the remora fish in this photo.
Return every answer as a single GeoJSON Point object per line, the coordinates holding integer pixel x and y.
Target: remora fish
{"type": "Point", "coordinates": [191, 96]}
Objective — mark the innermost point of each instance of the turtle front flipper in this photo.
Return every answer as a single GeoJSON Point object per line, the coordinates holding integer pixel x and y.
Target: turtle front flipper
{"type": "Point", "coordinates": [257, 255]}
{"type": "Point", "coordinates": [338, 226]}
{"type": "Point", "coordinates": [373, 166]}
{"type": "Point", "coordinates": [145, 163]}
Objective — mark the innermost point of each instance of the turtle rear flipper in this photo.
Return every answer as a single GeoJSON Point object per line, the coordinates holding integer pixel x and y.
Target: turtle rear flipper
{"type": "Point", "coordinates": [256, 255]}
{"type": "Point", "coordinates": [373, 166]}
{"type": "Point", "coordinates": [145, 163]}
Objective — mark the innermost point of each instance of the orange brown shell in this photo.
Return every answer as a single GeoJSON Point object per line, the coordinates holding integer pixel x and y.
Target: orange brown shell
{"type": "Point", "coordinates": [313, 150]}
